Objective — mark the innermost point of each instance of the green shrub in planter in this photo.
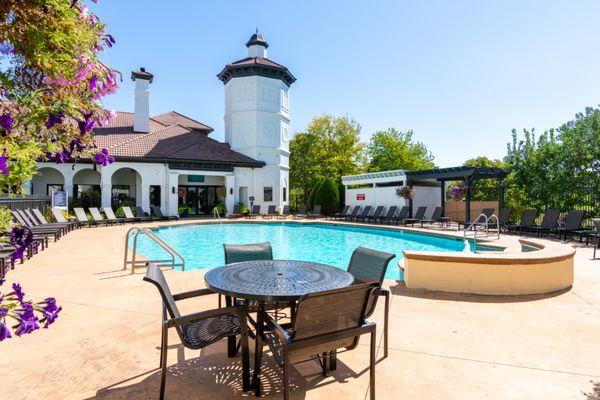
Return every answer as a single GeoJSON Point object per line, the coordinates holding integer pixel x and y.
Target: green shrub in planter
{"type": "Point", "coordinates": [328, 196]}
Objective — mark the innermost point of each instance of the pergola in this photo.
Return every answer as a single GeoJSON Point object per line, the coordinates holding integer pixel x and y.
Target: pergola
{"type": "Point", "coordinates": [430, 177]}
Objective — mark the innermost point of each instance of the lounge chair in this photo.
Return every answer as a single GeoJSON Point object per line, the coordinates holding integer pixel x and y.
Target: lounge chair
{"type": "Point", "coordinates": [571, 224]}
{"type": "Point", "coordinates": [255, 212]}
{"type": "Point", "coordinates": [367, 266]}
{"type": "Point", "coordinates": [110, 215]}
{"type": "Point", "coordinates": [341, 214]}
{"type": "Point", "coordinates": [99, 218]}
{"type": "Point", "coordinates": [200, 329]}
{"type": "Point", "coordinates": [130, 216]}
{"type": "Point", "coordinates": [389, 215]}
{"type": "Point", "coordinates": [270, 212]}
{"type": "Point", "coordinates": [159, 215]}
{"type": "Point", "coordinates": [528, 218]}
{"type": "Point", "coordinates": [502, 219]}
{"type": "Point", "coordinates": [82, 217]}
{"type": "Point", "coordinates": [419, 215]}
{"type": "Point", "coordinates": [594, 234]}
{"type": "Point", "coordinates": [316, 212]}
{"type": "Point", "coordinates": [364, 214]}
{"type": "Point", "coordinates": [435, 217]}
{"type": "Point", "coordinates": [70, 225]}
{"type": "Point", "coordinates": [63, 228]}
{"type": "Point", "coordinates": [549, 223]}
{"type": "Point", "coordinates": [352, 215]}
{"type": "Point", "coordinates": [237, 212]}
{"type": "Point", "coordinates": [139, 212]}
{"type": "Point", "coordinates": [285, 213]}
{"type": "Point", "coordinates": [301, 212]}
{"type": "Point", "coordinates": [375, 215]}
{"type": "Point", "coordinates": [402, 215]}
{"type": "Point", "coordinates": [39, 231]}
{"type": "Point", "coordinates": [325, 322]}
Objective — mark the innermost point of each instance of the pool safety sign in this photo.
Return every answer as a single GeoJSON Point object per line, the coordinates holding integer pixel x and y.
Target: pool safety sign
{"type": "Point", "coordinates": [59, 199]}
{"type": "Point", "coordinates": [360, 196]}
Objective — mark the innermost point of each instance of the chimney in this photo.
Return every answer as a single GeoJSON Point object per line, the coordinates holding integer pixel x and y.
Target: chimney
{"type": "Point", "coordinates": [142, 79]}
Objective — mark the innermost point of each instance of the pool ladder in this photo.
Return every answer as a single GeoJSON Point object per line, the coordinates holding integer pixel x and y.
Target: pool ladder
{"type": "Point", "coordinates": [474, 225]}
{"type": "Point", "coordinates": [216, 215]}
{"type": "Point", "coordinates": [176, 260]}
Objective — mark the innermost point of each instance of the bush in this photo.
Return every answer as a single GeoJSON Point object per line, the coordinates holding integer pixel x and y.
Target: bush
{"type": "Point", "coordinates": [328, 196]}
{"type": "Point", "coordinates": [313, 193]}
{"type": "Point", "coordinates": [221, 209]}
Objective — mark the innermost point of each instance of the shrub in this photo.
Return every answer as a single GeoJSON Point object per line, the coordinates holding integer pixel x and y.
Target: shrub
{"type": "Point", "coordinates": [313, 193]}
{"type": "Point", "coordinates": [328, 196]}
{"type": "Point", "coordinates": [221, 209]}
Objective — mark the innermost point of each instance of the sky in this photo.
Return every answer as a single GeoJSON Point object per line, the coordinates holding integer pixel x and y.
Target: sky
{"type": "Point", "coordinates": [460, 74]}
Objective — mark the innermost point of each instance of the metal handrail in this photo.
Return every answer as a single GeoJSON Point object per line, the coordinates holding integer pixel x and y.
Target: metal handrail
{"type": "Point", "coordinates": [485, 224]}
{"type": "Point", "coordinates": [156, 239]}
{"type": "Point", "coordinates": [216, 215]}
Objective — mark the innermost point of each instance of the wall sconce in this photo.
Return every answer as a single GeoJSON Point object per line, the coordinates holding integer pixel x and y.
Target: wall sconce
{"type": "Point", "coordinates": [231, 191]}
{"type": "Point", "coordinates": [173, 190]}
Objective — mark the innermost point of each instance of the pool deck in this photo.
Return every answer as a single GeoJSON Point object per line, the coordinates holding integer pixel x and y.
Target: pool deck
{"type": "Point", "coordinates": [442, 346]}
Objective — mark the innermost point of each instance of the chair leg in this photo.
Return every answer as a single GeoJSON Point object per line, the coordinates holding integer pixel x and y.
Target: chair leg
{"type": "Point", "coordinates": [286, 376]}
{"type": "Point", "coordinates": [325, 363]}
{"type": "Point", "coordinates": [333, 360]}
{"type": "Point", "coordinates": [163, 358]}
{"type": "Point", "coordinates": [163, 337]}
{"type": "Point", "coordinates": [258, 352]}
{"type": "Point", "coordinates": [372, 365]}
{"type": "Point", "coordinates": [245, 352]}
{"type": "Point", "coordinates": [386, 322]}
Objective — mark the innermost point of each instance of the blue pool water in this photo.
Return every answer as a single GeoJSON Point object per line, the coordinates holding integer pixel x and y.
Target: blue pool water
{"type": "Point", "coordinates": [202, 245]}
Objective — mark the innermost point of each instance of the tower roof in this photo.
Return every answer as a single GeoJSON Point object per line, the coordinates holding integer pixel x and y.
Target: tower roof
{"type": "Point", "coordinates": [257, 39]}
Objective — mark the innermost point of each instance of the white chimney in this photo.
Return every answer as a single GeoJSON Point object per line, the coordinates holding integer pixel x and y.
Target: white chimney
{"type": "Point", "coordinates": [141, 119]}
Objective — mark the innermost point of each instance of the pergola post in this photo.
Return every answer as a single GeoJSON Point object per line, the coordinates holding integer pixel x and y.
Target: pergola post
{"type": "Point", "coordinates": [500, 195]}
{"type": "Point", "coordinates": [468, 200]}
{"type": "Point", "coordinates": [443, 197]}
{"type": "Point", "coordinates": [410, 201]}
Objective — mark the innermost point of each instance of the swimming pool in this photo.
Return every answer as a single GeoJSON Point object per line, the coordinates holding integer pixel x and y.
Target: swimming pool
{"type": "Point", "coordinates": [202, 245]}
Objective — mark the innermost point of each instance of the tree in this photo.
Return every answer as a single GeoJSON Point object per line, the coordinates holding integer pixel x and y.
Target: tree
{"type": "Point", "coordinates": [328, 196]}
{"type": "Point", "coordinates": [393, 149]}
{"type": "Point", "coordinates": [484, 189]}
{"type": "Point", "coordinates": [313, 193]}
{"type": "Point", "coordinates": [330, 146]}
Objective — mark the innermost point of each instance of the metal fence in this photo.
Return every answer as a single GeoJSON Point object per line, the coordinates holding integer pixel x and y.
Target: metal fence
{"type": "Point", "coordinates": [24, 202]}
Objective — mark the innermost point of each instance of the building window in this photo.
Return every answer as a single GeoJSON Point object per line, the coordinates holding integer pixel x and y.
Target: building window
{"type": "Point", "coordinates": [155, 195]}
{"type": "Point", "coordinates": [284, 192]}
{"type": "Point", "coordinates": [50, 187]}
{"type": "Point", "coordinates": [121, 196]}
{"type": "Point", "coordinates": [267, 194]}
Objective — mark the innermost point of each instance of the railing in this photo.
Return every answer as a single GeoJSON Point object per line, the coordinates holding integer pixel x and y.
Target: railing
{"type": "Point", "coordinates": [216, 215]}
{"type": "Point", "coordinates": [476, 226]}
{"type": "Point", "coordinates": [135, 231]}
{"type": "Point", "coordinates": [24, 202]}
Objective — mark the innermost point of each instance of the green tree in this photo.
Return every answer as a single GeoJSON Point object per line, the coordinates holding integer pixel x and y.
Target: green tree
{"type": "Point", "coordinates": [328, 196]}
{"type": "Point", "coordinates": [313, 193]}
{"type": "Point", "coordinates": [485, 189]}
{"type": "Point", "coordinates": [393, 149]}
{"type": "Point", "coordinates": [330, 146]}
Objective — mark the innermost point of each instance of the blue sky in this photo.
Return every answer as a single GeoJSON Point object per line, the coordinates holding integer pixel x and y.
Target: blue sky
{"type": "Point", "coordinates": [461, 74]}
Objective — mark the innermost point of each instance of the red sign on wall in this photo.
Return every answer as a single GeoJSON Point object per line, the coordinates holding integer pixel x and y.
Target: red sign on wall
{"type": "Point", "coordinates": [360, 196]}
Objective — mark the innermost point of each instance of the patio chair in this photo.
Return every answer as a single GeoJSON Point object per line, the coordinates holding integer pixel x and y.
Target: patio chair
{"type": "Point", "coordinates": [316, 212]}
{"type": "Point", "coordinates": [368, 265]}
{"type": "Point", "coordinates": [237, 212]}
{"type": "Point", "coordinates": [110, 215]}
{"type": "Point", "coordinates": [528, 218]}
{"type": "Point", "coordinates": [139, 212]}
{"type": "Point", "coordinates": [301, 212]}
{"type": "Point", "coordinates": [130, 216]}
{"type": "Point", "coordinates": [571, 224]}
{"type": "Point", "coordinates": [594, 234]}
{"type": "Point", "coordinates": [285, 213]}
{"type": "Point", "coordinates": [159, 215]}
{"type": "Point", "coordinates": [99, 218]}
{"type": "Point", "coordinates": [82, 217]}
{"type": "Point", "coordinates": [341, 214]}
{"type": "Point", "coordinates": [419, 215]}
{"type": "Point", "coordinates": [549, 223]}
{"type": "Point", "coordinates": [352, 215]}
{"type": "Point", "coordinates": [68, 224]}
{"type": "Point", "coordinates": [59, 217]}
{"type": "Point", "coordinates": [38, 231]}
{"type": "Point", "coordinates": [375, 215]}
{"type": "Point", "coordinates": [270, 212]}
{"type": "Point", "coordinates": [364, 214]}
{"type": "Point", "coordinates": [503, 219]}
{"type": "Point", "coordinates": [402, 215]}
{"type": "Point", "coordinates": [199, 329]}
{"type": "Point", "coordinates": [389, 215]}
{"type": "Point", "coordinates": [435, 217]}
{"type": "Point", "coordinates": [325, 322]}
{"type": "Point", "coordinates": [33, 220]}
{"type": "Point", "coordinates": [255, 212]}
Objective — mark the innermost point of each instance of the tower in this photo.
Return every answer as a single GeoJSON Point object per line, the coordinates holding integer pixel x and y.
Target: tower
{"type": "Point", "coordinates": [257, 121]}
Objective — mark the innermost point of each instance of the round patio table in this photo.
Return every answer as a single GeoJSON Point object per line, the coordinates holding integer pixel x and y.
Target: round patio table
{"type": "Point", "coordinates": [272, 280]}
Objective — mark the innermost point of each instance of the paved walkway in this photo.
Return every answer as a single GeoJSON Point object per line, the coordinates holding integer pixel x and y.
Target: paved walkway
{"type": "Point", "coordinates": [105, 343]}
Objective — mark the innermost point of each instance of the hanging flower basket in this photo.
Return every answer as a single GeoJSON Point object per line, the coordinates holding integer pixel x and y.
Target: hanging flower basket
{"type": "Point", "coordinates": [458, 192]}
{"type": "Point", "coordinates": [405, 192]}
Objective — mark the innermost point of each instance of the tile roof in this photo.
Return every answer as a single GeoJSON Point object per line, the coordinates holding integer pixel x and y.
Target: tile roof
{"type": "Point", "coordinates": [260, 66]}
{"type": "Point", "coordinates": [173, 117]}
{"type": "Point", "coordinates": [166, 142]}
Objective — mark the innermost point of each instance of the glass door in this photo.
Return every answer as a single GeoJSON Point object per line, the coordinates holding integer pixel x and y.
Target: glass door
{"type": "Point", "coordinates": [191, 199]}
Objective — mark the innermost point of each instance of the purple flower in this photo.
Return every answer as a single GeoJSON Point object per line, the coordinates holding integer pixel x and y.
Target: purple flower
{"type": "Point", "coordinates": [6, 48]}
{"type": "Point", "coordinates": [104, 158]}
{"type": "Point", "coordinates": [4, 331]}
{"type": "Point", "coordinates": [21, 238]}
{"type": "Point", "coordinates": [54, 119]}
{"type": "Point", "coordinates": [6, 122]}
{"type": "Point", "coordinates": [93, 82]}
{"type": "Point", "coordinates": [86, 124]}
{"type": "Point", "coordinates": [3, 162]}
{"type": "Point", "coordinates": [76, 144]}
{"type": "Point", "coordinates": [17, 291]}
{"type": "Point", "coordinates": [28, 321]}
{"type": "Point", "coordinates": [3, 311]}
{"type": "Point", "coordinates": [50, 311]}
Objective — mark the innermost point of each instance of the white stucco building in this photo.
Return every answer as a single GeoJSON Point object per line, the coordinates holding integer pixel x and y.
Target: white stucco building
{"type": "Point", "coordinates": [170, 160]}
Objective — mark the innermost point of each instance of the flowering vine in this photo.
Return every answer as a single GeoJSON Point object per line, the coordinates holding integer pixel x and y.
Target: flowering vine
{"type": "Point", "coordinates": [406, 192]}
{"type": "Point", "coordinates": [458, 191]}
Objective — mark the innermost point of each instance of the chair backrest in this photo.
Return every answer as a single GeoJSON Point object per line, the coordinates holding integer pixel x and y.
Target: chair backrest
{"type": "Point", "coordinates": [596, 222]}
{"type": "Point", "coordinates": [504, 216]}
{"type": "Point", "coordinates": [437, 213]}
{"type": "Point", "coordinates": [302, 209]}
{"type": "Point", "coordinates": [391, 212]}
{"type": "Point", "coordinates": [573, 219]}
{"type": "Point", "coordinates": [247, 252]}
{"type": "Point", "coordinates": [550, 219]}
{"type": "Point", "coordinates": [157, 211]}
{"type": "Point", "coordinates": [317, 209]}
{"type": "Point", "coordinates": [528, 217]}
{"type": "Point", "coordinates": [403, 212]}
{"type": "Point", "coordinates": [128, 213]}
{"type": "Point", "coordinates": [155, 276]}
{"type": "Point", "coordinates": [420, 212]}
{"type": "Point", "coordinates": [271, 210]}
{"type": "Point", "coordinates": [344, 211]}
{"type": "Point", "coordinates": [80, 214]}
{"type": "Point", "coordinates": [139, 212]}
{"type": "Point", "coordinates": [110, 214]}
{"type": "Point", "coordinates": [29, 215]}
{"type": "Point", "coordinates": [487, 212]}
{"type": "Point", "coordinates": [354, 212]}
{"type": "Point", "coordinates": [378, 211]}
{"type": "Point", "coordinates": [236, 209]}
{"type": "Point", "coordinates": [331, 311]}
{"type": "Point", "coordinates": [58, 215]}
{"type": "Point", "coordinates": [39, 216]}
{"type": "Point", "coordinates": [366, 211]}
{"type": "Point", "coordinates": [286, 210]}
{"type": "Point", "coordinates": [368, 265]}
{"type": "Point", "coordinates": [256, 209]}
{"type": "Point", "coordinates": [19, 218]}
{"type": "Point", "coordinates": [96, 214]}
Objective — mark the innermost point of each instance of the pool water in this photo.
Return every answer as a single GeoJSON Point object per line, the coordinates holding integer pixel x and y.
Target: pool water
{"type": "Point", "coordinates": [202, 245]}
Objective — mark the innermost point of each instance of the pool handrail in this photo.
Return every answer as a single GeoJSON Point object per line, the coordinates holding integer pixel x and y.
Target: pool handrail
{"type": "Point", "coordinates": [161, 243]}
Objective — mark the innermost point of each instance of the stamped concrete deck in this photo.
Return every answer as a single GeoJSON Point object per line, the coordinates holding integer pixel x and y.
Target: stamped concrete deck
{"type": "Point", "coordinates": [443, 346]}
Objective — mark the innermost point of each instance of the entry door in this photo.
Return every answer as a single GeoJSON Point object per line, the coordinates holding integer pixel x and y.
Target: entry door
{"type": "Point", "coordinates": [243, 195]}
{"type": "Point", "coordinates": [191, 199]}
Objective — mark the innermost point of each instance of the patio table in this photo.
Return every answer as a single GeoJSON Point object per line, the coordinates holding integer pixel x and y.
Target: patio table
{"type": "Point", "coordinates": [274, 280]}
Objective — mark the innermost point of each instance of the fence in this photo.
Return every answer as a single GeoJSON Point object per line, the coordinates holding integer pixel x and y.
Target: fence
{"type": "Point", "coordinates": [24, 202]}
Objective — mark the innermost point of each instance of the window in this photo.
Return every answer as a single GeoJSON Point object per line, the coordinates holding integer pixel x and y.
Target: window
{"type": "Point", "coordinates": [284, 194]}
{"type": "Point", "coordinates": [155, 195]}
{"type": "Point", "coordinates": [268, 194]}
{"type": "Point", "coordinates": [53, 186]}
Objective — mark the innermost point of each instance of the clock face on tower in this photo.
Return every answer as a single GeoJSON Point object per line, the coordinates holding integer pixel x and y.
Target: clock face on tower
{"type": "Point", "coordinates": [284, 135]}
